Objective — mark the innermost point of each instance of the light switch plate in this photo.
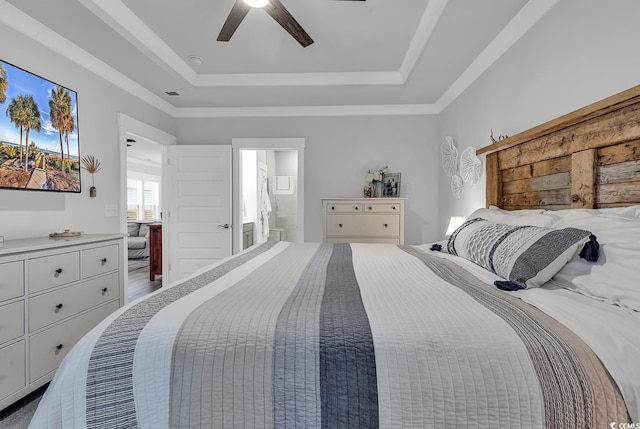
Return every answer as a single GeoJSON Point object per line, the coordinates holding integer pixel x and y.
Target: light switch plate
{"type": "Point", "coordinates": [110, 210]}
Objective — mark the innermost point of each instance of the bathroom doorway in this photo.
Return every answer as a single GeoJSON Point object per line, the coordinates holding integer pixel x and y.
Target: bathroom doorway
{"type": "Point", "coordinates": [269, 198]}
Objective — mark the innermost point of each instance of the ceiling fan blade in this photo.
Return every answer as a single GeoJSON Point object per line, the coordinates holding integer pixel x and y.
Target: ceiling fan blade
{"type": "Point", "coordinates": [237, 14]}
{"type": "Point", "coordinates": [288, 22]}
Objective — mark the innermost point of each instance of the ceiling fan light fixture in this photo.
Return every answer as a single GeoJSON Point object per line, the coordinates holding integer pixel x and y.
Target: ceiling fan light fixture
{"type": "Point", "coordinates": [256, 3]}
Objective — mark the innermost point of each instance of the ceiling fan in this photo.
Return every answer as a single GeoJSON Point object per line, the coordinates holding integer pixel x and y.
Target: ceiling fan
{"type": "Point", "coordinates": [275, 9]}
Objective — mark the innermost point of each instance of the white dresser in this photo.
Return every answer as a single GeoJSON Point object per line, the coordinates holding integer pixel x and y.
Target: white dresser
{"type": "Point", "coordinates": [363, 220]}
{"type": "Point", "coordinates": [52, 292]}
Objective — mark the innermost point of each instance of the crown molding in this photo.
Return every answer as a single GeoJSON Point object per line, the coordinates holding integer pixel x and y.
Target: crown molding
{"type": "Point", "coordinates": [519, 25]}
{"type": "Point", "coordinates": [24, 24]}
{"type": "Point", "coordinates": [299, 79]}
{"type": "Point", "coordinates": [151, 45]}
{"type": "Point", "coordinates": [122, 20]}
{"type": "Point", "coordinates": [302, 111]}
{"type": "Point", "coordinates": [427, 24]}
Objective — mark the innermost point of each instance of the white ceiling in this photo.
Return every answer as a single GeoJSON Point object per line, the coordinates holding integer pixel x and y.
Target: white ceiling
{"type": "Point", "coordinates": [369, 57]}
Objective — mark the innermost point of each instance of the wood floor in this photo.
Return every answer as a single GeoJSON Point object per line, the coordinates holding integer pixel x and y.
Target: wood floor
{"type": "Point", "coordinates": [139, 283]}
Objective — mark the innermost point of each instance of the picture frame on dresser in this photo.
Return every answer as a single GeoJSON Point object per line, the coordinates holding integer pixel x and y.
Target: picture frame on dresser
{"type": "Point", "coordinates": [391, 185]}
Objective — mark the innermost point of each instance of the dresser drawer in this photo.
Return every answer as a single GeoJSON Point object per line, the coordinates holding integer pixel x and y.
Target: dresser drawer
{"type": "Point", "coordinates": [366, 226]}
{"type": "Point", "coordinates": [12, 369]}
{"type": "Point", "coordinates": [11, 321]}
{"type": "Point", "coordinates": [50, 307]}
{"type": "Point", "coordinates": [49, 347]}
{"type": "Point", "coordinates": [382, 208]}
{"type": "Point", "coordinates": [100, 260]}
{"type": "Point", "coordinates": [11, 280]}
{"type": "Point", "coordinates": [344, 208]}
{"type": "Point", "coordinates": [55, 270]}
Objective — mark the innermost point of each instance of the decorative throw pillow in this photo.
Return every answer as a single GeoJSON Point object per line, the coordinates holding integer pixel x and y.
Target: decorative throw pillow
{"type": "Point", "coordinates": [526, 256]}
{"type": "Point", "coordinates": [132, 229]}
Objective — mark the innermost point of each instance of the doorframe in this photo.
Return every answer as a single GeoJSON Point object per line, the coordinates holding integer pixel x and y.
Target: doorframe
{"type": "Point", "coordinates": [131, 127]}
{"type": "Point", "coordinates": [277, 143]}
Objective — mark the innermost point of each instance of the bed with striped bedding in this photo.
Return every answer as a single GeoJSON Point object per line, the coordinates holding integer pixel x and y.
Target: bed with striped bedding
{"type": "Point", "coordinates": [309, 335]}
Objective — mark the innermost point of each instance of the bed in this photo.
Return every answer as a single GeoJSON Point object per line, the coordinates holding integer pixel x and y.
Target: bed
{"type": "Point", "coordinates": [372, 335]}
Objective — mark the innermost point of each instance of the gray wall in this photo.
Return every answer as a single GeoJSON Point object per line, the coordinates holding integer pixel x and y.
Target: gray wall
{"type": "Point", "coordinates": [34, 213]}
{"type": "Point", "coordinates": [339, 151]}
{"type": "Point", "coordinates": [580, 52]}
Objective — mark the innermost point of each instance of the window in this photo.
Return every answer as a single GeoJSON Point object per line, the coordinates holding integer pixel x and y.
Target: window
{"type": "Point", "coordinates": [143, 200]}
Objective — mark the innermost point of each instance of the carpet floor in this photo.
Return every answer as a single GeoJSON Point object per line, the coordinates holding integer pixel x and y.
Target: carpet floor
{"type": "Point", "coordinates": [18, 415]}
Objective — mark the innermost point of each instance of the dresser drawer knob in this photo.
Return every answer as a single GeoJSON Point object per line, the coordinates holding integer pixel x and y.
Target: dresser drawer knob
{"type": "Point", "coordinates": [340, 225]}
{"type": "Point", "coordinates": [59, 270]}
{"type": "Point", "coordinates": [386, 225]}
{"type": "Point", "coordinates": [393, 207]}
{"type": "Point", "coordinates": [356, 208]}
{"type": "Point", "coordinates": [104, 261]}
{"type": "Point", "coordinates": [59, 347]}
{"type": "Point", "coordinates": [59, 306]}
{"type": "Point", "coordinates": [333, 208]}
{"type": "Point", "coordinates": [104, 290]}
{"type": "Point", "coordinates": [370, 208]}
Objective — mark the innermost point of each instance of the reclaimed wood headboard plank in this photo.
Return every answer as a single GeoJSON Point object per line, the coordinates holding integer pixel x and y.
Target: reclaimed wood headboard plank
{"type": "Point", "coordinates": [585, 159]}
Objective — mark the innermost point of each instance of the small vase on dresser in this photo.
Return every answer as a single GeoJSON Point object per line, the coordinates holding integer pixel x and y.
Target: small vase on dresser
{"type": "Point", "coordinates": [376, 189]}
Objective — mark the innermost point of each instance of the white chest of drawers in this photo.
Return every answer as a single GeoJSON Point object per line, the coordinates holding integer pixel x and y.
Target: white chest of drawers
{"type": "Point", "coordinates": [52, 292]}
{"type": "Point", "coordinates": [363, 220]}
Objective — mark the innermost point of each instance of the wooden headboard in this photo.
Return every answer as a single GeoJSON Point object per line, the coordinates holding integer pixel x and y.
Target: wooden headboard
{"type": "Point", "coordinates": [589, 158]}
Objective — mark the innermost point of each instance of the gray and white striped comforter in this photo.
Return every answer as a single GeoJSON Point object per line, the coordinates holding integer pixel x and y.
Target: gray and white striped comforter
{"type": "Point", "coordinates": [331, 336]}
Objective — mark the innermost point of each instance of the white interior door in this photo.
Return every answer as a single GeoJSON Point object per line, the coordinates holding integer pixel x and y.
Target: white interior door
{"type": "Point", "coordinates": [199, 201]}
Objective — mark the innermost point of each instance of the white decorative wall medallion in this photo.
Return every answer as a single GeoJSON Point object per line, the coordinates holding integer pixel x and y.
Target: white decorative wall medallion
{"type": "Point", "coordinates": [449, 156]}
{"type": "Point", "coordinates": [456, 186]}
{"type": "Point", "coordinates": [470, 166]}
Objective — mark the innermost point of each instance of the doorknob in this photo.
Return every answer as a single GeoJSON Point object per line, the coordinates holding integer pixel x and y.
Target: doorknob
{"type": "Point", "coordinates": [225, 226]}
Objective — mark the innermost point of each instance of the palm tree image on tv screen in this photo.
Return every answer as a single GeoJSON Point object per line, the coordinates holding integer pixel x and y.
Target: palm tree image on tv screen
{"type": "Point", "coordinates": [39, 146]}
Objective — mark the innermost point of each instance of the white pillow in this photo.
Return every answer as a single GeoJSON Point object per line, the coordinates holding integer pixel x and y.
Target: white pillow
{"type": "Point", "coordinates": [615, 277]}
{"type": "Point", "coordinates": [516, 217]}
{"type": "Point", "coordinates": [631, 211]}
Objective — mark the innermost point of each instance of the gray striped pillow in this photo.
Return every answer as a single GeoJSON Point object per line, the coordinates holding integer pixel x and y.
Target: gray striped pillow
{"type": "Point", "coordinates": [526, 256]}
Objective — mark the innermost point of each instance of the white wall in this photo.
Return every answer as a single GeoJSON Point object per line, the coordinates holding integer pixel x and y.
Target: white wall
{"type": "Point", "coordinates": [338, 153]}
{"type": "Point", "coordinates": [34, 213]}
{"type": "Point", "coordinates": [580, 52]}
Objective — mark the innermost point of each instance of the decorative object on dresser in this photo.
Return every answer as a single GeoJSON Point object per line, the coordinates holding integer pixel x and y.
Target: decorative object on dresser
{"type": "Point", "coordinates": [363, 220]}
{"type": "Point", "coordinates": [375, 177]}
{"type": "Point", "coordinates": [51, 293]}
{"type": "Point", "coordinates": [391, 185]}
{"type": "Point", "coordinates": [155, 250]}
{"type": "Point", "coordinates": [65, 233]}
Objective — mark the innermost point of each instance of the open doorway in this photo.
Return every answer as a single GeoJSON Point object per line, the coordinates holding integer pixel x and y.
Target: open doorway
{"type": "Point", "coordinates": [268, 190]}
{"type": "Point", "coordinates": [144, 216]}
{"type": "Point", "coordinates": [269, 200]}
{"type": "Point", "coordinates": [142, 195]}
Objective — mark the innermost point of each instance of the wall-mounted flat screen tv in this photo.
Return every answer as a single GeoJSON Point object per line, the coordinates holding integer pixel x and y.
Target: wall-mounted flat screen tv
{"type": "Point", "coordinates": [39, 146]}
